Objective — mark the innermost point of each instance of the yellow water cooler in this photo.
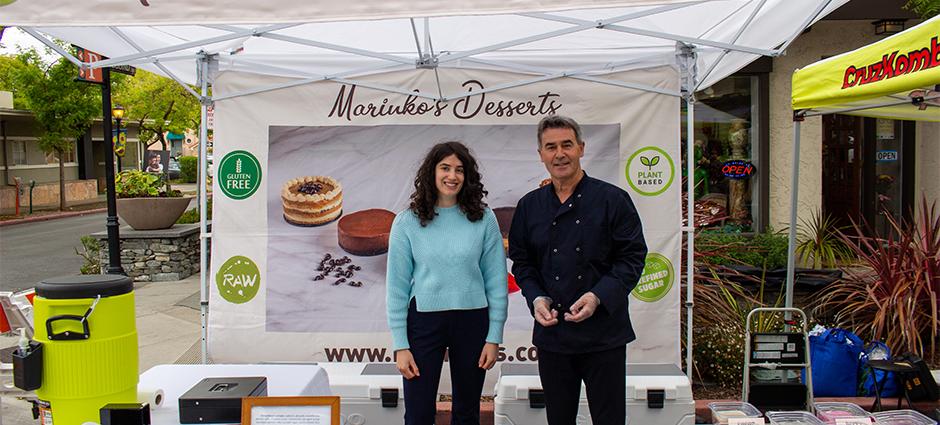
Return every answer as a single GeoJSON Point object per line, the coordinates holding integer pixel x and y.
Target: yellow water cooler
{"type": "Point", "coordinates": [86, 327]}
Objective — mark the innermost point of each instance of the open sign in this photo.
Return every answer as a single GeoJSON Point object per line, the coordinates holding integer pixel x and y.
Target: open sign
{"type": "Point", "coordinates": [882, 156]}
{"type": "Point", "coordinates": [738, 169]}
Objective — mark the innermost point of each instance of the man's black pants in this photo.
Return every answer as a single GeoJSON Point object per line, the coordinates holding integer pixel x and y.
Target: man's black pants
{"type": "Point", "coordinates": [463, 334]}
{"type": "Point", "coordinates": [604, 376]}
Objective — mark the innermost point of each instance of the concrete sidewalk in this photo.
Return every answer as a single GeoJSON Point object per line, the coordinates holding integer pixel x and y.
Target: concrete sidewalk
{"type": "Point", "coordinates": [168, 331]}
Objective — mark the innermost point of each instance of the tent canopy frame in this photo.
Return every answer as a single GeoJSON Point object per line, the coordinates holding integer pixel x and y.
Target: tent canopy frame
{"type": "Point", "coordinates": [687, 49]}
{"type": "Point", "coordinates": [426, 58]}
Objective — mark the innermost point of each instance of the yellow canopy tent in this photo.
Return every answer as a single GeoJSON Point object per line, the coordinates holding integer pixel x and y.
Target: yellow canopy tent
{"type": "Point", "coordinates": [895, 78]}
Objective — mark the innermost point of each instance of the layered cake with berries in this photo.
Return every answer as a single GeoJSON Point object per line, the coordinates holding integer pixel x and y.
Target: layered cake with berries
{"type": "Point", "coordinates": [312, 200]}
{"type": "Point", "coordinates": [365, 233]}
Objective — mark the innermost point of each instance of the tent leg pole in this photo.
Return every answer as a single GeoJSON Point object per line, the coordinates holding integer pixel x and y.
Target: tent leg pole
{"type": "Point", "coordinates": [794, 200]}
{"type": "Point", "coordinates": [203, 202]}
{"type": "Point", "coordinates": [689, 230]}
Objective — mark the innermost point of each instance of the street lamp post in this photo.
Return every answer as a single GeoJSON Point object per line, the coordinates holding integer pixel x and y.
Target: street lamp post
{"type": "Point", "coordinates": [118, 113]}
{"type": "Point", "coordinates": [114, 241]}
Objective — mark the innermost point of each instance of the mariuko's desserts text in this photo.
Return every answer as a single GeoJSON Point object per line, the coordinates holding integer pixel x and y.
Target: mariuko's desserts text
{"type": "Point", "coordinates": [345, 105]}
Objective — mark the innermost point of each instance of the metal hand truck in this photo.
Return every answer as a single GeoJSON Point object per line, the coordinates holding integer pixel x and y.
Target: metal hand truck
{"type": "Point", "coordinates": [787, 350]}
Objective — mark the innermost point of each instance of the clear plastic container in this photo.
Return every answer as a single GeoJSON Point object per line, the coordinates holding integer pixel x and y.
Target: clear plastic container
{"type": "Point", "coordinates": [830, 411]}
{"type": "Point", "coordinates": [902, 417]}
{"type": "Point", "coordinates": [723, 410]}
{"type": "Point", "coordinates": [793, 418]}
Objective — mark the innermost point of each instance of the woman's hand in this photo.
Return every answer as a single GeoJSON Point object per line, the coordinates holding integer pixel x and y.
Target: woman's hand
{"type": "Point", "coordinates": [406, 364]}
{"type": "Point", "coordinates": [488, 356]}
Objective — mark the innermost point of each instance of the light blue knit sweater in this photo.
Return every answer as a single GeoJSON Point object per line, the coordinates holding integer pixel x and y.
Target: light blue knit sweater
{"type": "Point", "coordinates": [451, 264]}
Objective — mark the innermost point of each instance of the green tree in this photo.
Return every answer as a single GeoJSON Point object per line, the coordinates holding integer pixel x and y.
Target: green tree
{"type": "Point", "coordinates": [10, 67]}
{"type": "Point", "coordinates": [158, 105]}
{"type": "Point", "coordinates": [925, 8]}
{"type": "Point", "coordinates": [63, 108]}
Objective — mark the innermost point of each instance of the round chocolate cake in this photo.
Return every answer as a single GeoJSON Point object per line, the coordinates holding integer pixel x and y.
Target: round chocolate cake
{"type": "Point", "coordinates": [365, 233]}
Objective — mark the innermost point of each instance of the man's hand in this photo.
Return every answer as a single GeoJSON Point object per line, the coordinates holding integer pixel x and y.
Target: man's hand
{"type": "Point", "coordinates": [583, 308]}
{"type": "Point", "coordinates": [488, 356]}
{"type": "Point", "coordinates": [544, 314]}
{"type": "Point", "coordinates": [406, 364]}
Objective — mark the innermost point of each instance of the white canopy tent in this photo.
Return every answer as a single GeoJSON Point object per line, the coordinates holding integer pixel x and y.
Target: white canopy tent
{"type": "Point", "coordinates": [706, 40]}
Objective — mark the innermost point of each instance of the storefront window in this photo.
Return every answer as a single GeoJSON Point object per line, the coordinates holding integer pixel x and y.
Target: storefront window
{"type": "Point", "coordinates": [53, 157]}
{"type": "Point", "coordinates": [726, 153]}
{"type": "Point", "coordinates": [888, 150]}
{"type": "Point", "coordinates": [19, 152]}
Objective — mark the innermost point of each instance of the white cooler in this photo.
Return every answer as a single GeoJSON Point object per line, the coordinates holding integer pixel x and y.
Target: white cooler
{"type": "Point", "coordinates": [370, 393]}
{"type": "Point", "coordinates": [657, 394]}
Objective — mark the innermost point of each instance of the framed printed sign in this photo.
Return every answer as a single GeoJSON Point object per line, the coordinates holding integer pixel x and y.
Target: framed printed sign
{"type": "Point", "coordinates": [290, 411]}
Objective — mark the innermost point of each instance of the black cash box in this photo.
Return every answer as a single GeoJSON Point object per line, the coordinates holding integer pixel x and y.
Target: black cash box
{"type": "Point", "coordinates": [219, 400]}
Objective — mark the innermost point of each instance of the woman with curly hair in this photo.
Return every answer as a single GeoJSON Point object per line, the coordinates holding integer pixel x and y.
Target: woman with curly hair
{"type": "Point", "coordinates": [446, 286]}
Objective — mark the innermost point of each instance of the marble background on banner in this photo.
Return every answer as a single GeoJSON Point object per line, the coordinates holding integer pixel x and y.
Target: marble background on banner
{"type": "Point", "coordinates": [376, 167]}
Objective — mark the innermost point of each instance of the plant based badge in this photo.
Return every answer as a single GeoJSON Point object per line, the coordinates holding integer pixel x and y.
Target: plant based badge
{"type": "Point", "coordinates": [238, 280]}
{"type": "Point", "coordinates": [656, 280]}
{"type": "Point", "coordinates": [650, 171]}
{"type": "Point", "coordinates": [239, 174]}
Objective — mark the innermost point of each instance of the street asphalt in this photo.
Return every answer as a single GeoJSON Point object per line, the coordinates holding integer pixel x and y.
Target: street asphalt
{"type": "Point", "coordinates": [31, 252]}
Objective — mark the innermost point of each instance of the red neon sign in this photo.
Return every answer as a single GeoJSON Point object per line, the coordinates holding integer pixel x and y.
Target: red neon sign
{"type": "Point", "coordinates": [738, 169]}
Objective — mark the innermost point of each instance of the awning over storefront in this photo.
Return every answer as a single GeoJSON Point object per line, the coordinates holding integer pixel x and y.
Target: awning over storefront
{"type": "Point", "coordinates": [893, 78]}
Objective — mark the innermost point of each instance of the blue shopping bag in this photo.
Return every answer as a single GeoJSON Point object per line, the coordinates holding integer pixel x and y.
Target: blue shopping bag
{"type": "Point", "coordinates": [835, 356]}
{"type": "Point", "coordinates": [868, 382]}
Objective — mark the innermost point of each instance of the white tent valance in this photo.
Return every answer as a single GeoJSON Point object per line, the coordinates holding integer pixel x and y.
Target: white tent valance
{"type": "Point", "coordinates": [181, 12]}
{"type": "Point", "coordinates": [580, 43]}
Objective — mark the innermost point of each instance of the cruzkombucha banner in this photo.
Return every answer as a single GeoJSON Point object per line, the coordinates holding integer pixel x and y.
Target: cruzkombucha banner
{"type": "Point", "coordinates": [869, 75]}
{"type": "Point", "coordinates": [307, 180]}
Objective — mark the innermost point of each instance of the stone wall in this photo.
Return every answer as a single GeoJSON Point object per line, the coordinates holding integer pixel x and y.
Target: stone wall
{"type": "Point", "coordinates": [156, 255]}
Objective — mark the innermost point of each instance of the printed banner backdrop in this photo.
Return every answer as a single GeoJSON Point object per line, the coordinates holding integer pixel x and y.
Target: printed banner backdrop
{"type": "Point", "coordinates": [267, 302]}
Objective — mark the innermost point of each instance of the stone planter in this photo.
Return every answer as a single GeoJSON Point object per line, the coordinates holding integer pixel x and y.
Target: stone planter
{"type": "Point", "coordinates": [151, 213]}
{"type": "Point", "coordinates": [157, 255]}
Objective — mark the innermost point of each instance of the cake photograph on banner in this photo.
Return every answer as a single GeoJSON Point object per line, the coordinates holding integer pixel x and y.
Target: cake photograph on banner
{"type": "Point", "coordinates": [333, 192]}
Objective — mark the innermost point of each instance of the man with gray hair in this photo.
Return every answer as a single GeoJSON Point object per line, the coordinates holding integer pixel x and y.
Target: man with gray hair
{"type": "Point", "coordinates": [578, 250]}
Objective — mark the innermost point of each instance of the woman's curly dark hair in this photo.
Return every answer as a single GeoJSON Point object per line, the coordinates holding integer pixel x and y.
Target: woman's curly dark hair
{"type": "Point", "coordinates": [470, 197]}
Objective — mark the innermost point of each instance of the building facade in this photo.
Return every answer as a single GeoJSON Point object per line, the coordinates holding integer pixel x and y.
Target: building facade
{"type": "Point", "coordinates": [851, 168]}
{"type": "Point", "coordinates": [22, 159]}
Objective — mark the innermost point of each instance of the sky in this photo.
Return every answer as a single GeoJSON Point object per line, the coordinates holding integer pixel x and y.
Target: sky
{"type": "Point", "coordinates": [13, 37]}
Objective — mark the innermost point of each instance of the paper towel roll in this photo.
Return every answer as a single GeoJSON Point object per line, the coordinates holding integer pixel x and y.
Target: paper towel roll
{"type": "Point", "coordinates": [153, 396]}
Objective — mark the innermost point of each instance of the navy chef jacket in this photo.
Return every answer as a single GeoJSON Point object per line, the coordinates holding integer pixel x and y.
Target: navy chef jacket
{"type": "Point", "coordinates": [593, 242]}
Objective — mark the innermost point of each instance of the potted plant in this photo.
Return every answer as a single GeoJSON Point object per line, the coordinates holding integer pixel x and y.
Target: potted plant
{"type": "Point", "coordinates": [144, 203]}
{"type": "Point", "coordinates": [893, 293]}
